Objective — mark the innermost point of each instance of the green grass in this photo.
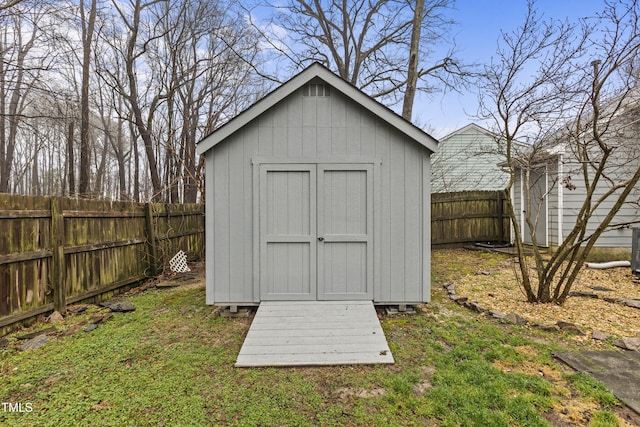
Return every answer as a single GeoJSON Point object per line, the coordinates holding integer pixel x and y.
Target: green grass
{"type": "Point", "coordinates": [594, 389]}
{"type": "Point", "coordinates": [170, 363]}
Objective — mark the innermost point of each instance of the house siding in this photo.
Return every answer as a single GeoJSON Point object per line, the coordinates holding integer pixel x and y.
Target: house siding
{"type": "Point", "coordinates": [516, 199]}
{"type": "Point", "coordinates": [467, 161]}
{"type": "Point", "coordinates": [568, 205]}
{"type": "Point", "coordinates": [573, 200]}
{"type": "Point", "coordinates": [552, 203]}
{"type": "Point", "coordinates": [319, 129]}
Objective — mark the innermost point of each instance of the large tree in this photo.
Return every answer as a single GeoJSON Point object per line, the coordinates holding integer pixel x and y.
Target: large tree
{"type": "Point", "coordinates": [25, 54]}
{"type": "Point", "coordinates": [567, 88]}
{"type": "Point", "coordinates": [178, 67]}
{"type": "Point", "coordinates": [387, 48]}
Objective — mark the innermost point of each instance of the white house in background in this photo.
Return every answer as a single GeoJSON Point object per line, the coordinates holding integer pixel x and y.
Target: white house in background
{"type": "Point", "coordinates": [318, 192]}
{"type": "Point", "coordinates": [556, 181]}
{"type": "Point", "coordinates": [467, 160]}
{"type": "Point", "coordinates": [560, 204]}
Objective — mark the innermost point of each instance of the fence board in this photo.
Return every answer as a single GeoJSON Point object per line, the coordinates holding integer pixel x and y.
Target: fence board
{"type": "Point", "coordinates": [57, 251]}
{"type": "Point", "coordinates": [467, 217]}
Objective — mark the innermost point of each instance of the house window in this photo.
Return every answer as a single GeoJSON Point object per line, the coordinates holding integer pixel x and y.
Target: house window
{"type": "Point", "coordinates": [313, 89]}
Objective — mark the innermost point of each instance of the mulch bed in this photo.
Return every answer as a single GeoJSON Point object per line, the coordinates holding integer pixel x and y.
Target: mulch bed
{"type": "Point", "coordinates": [497, 289]}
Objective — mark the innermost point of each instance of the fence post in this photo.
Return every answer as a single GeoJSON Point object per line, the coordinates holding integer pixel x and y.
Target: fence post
{"type": "Point", "coordinates": [152, 249]}
{"type": "Point", "coordinates": [58, 266]}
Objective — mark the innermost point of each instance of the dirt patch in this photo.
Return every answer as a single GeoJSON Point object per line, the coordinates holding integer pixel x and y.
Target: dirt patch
{"type": "Point", "coordinates": [345, 393]}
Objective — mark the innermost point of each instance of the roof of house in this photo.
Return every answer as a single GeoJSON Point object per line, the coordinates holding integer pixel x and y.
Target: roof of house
{"type": "Point", "coordinates": [474, 128]}
{"type": "Point", "coordinates": [337, 83]}
{"type": "Point", "coordinates": [466, 129]}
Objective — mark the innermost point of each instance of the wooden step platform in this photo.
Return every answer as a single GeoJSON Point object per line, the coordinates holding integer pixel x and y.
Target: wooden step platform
{"type": "Point", "coordinates": [314, 333]}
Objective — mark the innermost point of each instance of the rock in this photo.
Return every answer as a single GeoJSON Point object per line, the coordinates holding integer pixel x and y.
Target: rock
{"type": "Point", "coordinates": [122, 307]}
{"type": "Point", "coordinates": [168, 284]}
{"type": "Point", "coordinates": [599, 335]}
{"type": "Point", "coordinates": [55, 317]}
{"type": "Point", "coordinates": [35, 334]}
{"type": "Point", "coordinates": [459, 300]}
{"type": "Point", "coordinates": [497, 314]}
{"type": "Point", "coordinates": [78, 308]}
{"type": "Point", "coordinates": [630, 343]}
{"type": "Point", "coordinates": [476, 307]}
{"type": "Point", "coordinates": [485, 273]}
{"type": "Point", "coordinates": [582, 294]}
{"type": "Point", "coordinates": [630, 302]}
{"type": "Point", "coordinates": [600, 288]}
{"type": "Point", "coordinates": [569, 327]}
{"type": "Point", "coordinates": [91, 327]}
{"type": "Point", "coordinates": [450, 287]}
{"type": "Point", "coordinates": [37, 342]}
{"type": "Point", "coordinates": [101, 318]}
{"type": "Point", "coordinates": [516, 319]}
{"type": "Point", "coordinates": [74, 329]}
{"type": "Point", "coordinates": [548, 328]}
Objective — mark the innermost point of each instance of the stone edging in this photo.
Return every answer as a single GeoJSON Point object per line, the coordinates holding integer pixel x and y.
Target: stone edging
{"type": "Point", "coordinates": [627, 343]}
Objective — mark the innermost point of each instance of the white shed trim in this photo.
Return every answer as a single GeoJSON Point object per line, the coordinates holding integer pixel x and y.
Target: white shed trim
{"type": "Point", "coordinates": [522, 203]}
{"type": "Point", "coordinates": [560, 210]}
{"type": "Point", "coordinates": [348, 90]}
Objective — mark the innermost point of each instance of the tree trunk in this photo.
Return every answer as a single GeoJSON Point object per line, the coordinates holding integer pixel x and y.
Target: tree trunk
{"type": "Point", "coordinates": [71, 165]}
{"type": "Point", "coordinates": [412, 68]}
{"type": "Point", "coordinates": [144, 131]}
{"type": "Point", "coordinates": [85, 146]}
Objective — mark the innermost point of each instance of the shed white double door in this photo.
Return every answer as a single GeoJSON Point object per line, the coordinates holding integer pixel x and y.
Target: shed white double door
{"type": "Point", "coordinates": [316, 231]}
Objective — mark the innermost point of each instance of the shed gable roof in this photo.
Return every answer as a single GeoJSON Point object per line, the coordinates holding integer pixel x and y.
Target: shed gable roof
{"type": "Point", "coordinates": [337, 83]}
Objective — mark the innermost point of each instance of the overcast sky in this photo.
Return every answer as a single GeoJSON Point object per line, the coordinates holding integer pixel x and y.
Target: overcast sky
{"type": "Point", "coordinates": [477, 32]}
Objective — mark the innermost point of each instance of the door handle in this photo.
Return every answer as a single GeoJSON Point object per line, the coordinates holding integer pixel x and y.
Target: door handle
{"type": "Point", "coordinates": [321, 239]}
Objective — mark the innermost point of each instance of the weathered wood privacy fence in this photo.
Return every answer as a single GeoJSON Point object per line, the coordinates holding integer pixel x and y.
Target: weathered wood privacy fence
{"type": "Point", "coordinates": [57, 251]}
{"type": "Point", "coordinates": [468, 216]}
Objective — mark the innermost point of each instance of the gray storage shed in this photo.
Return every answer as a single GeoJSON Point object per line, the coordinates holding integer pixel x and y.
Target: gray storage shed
{"type": "Point", "coordinates": [317, 192]}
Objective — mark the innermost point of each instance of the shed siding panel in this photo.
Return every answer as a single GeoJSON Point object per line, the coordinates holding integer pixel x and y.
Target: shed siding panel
{"type": "Point", "coordinates": [323, 111]}
{"type": "Point", "coordinates": [309, 111]}
{"type": "Point", "coordinates": [236, 221]}
{"type": "Point", "coordinates": [248, 145]}
{"type": "Point", "coordinates": [412, 226]}
{"type": "Point", "coordinates": [425, 223]}
{"type": "Point", "coordinates": [339, 141]}
{"type": "Point", "coordinates": [309, 137]}
{"type": "Point", "coordinates": [294, 131]}
{"type": "Point", "coordinates": [221, 227]}
{"type": "Point", "coordinates": [323, 140]}
{"type": "Point", "coordinates": [210, 225]}
{"type": "Point", "coordinates": [353, 128]}
{"type": "Point", "coordinates": [382, 149]}
{"type": "Point", "coordinates": [397, 246]}
{"type": "Point", "coordinates": [318, 128]}
{"type": "Point", "coordinates": [280, 143]}
{"type": "Point", "coordinates": [338, 111]}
